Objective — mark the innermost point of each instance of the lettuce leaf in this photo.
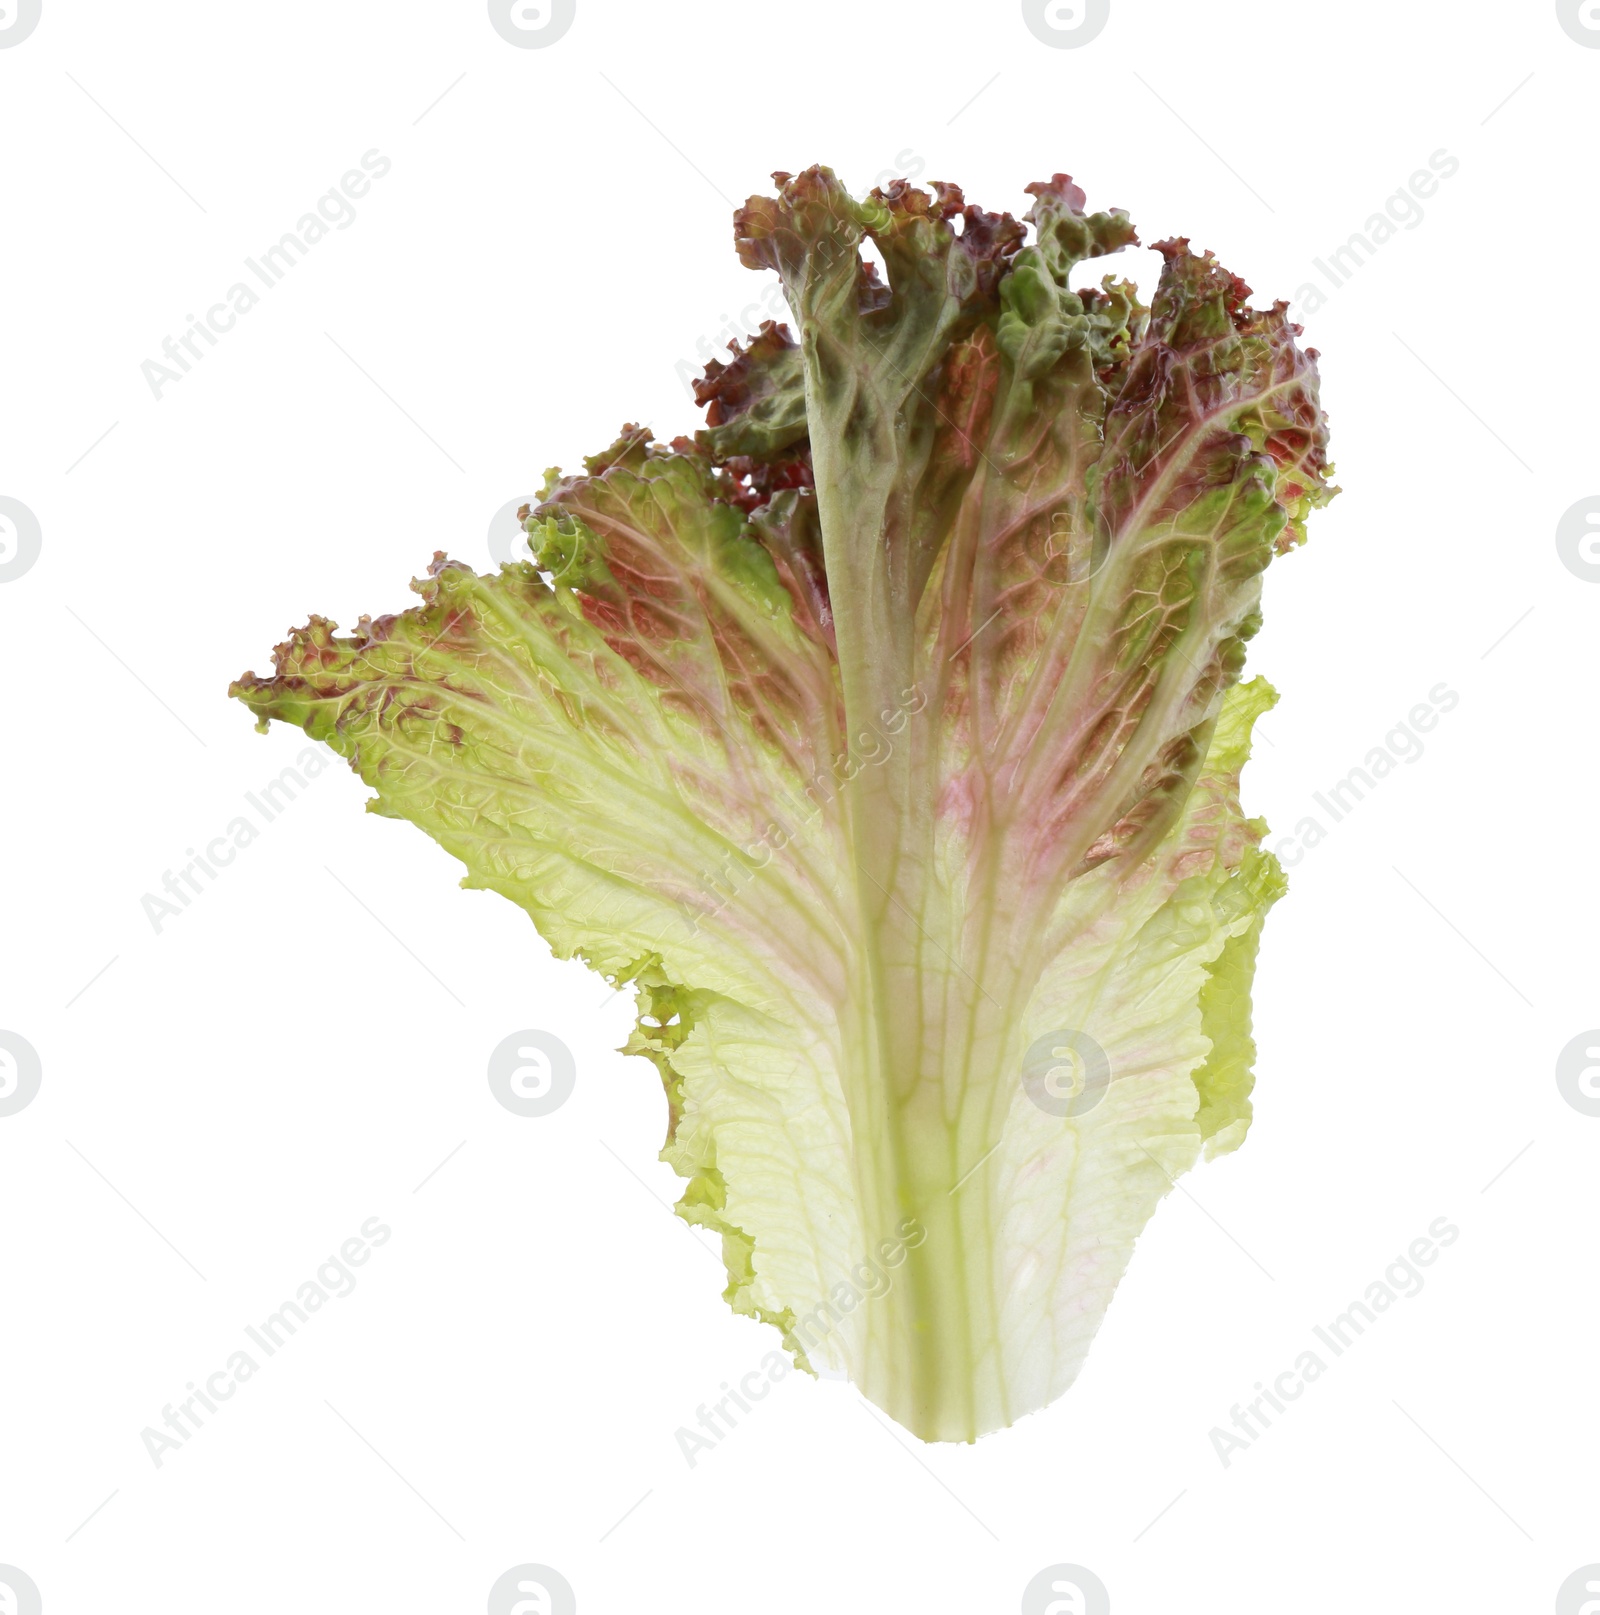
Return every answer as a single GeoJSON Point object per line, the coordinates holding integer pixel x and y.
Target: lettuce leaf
{"type": "Point", "coordinates": [886, 736]}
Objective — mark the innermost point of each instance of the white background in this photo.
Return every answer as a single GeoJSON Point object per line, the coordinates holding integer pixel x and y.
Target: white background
{"type": "Point", "coordinates": [303, 1046]}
